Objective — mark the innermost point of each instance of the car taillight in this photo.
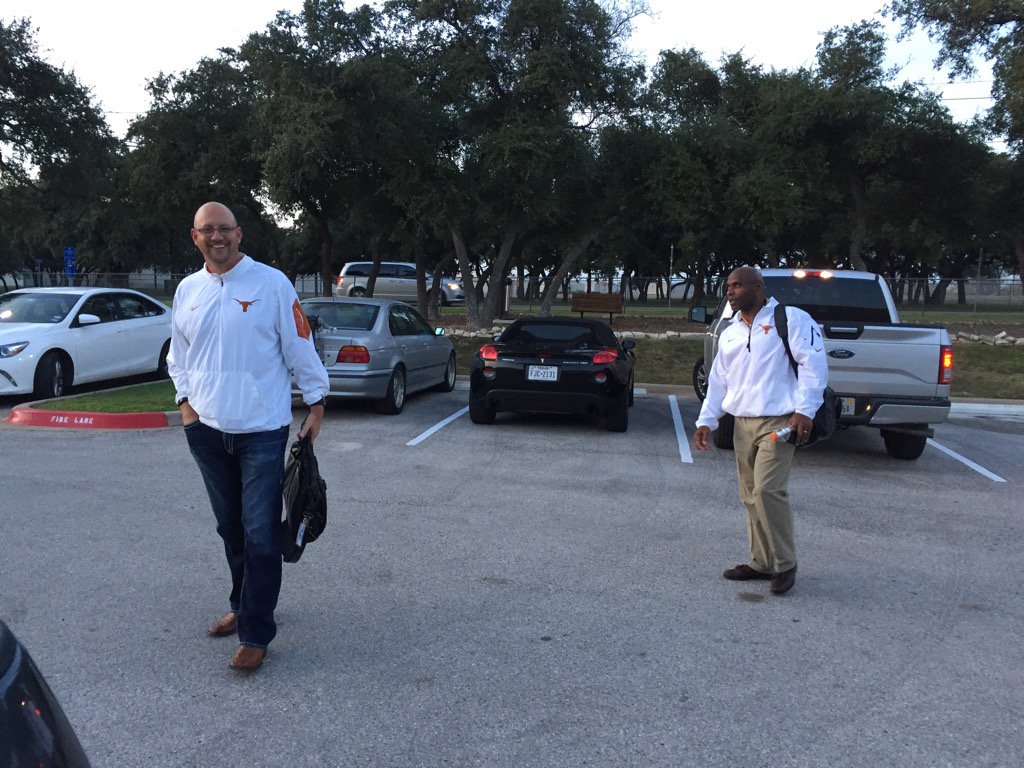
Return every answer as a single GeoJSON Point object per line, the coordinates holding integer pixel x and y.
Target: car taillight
{"type": "Point", "coordinates": [489, 352]}
{"type": "Point", "coordinates": [340, 278]}
{"type": "Point", "coordinates": [606, 356]}
{"type": "Point", "coordinates": [946, 365]}
{"type": "Point", "coordinates": [353, 355]}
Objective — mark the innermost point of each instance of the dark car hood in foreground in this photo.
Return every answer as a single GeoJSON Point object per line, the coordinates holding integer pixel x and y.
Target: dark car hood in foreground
{"type": "Point", "coordinates": [33, 728]}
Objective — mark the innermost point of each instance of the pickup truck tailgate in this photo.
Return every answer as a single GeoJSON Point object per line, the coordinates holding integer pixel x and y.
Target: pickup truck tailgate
{"type": "Point", "coordinates": [894, 360]}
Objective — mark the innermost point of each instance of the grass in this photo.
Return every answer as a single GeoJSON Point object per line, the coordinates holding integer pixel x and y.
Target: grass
{"type": "Point", "coordinates": [979, 371]}
{"type": "Point", "coordinates": [154, 396]}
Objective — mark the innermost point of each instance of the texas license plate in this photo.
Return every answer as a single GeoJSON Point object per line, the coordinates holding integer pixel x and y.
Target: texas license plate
{"type": "Point", "coordinates": [849, 406]}
{"type": "Point", "coordinates": [542, 373]}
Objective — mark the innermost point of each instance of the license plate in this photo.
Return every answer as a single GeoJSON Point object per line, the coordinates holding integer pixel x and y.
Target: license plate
{"type": "Point", "coordinates": [542, 373]}
{"type": "Point", "coordinates": [849, 406]}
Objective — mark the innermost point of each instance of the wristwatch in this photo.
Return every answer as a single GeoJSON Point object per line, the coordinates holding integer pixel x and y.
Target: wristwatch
{"type": "Point", "coordinates": [181, 400]}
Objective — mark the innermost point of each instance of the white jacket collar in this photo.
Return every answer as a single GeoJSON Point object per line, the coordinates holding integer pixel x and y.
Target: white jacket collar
{"type": "Point", "coordinates": [234, 273]}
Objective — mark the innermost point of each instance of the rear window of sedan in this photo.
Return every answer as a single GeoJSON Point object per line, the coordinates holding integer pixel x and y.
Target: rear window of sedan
{"type": "Point", "coordinates": [569, 334]}
{"type": "Point", "coordinates": [358, 317]}
{"type": "Point", "coordinates": [36, 307]}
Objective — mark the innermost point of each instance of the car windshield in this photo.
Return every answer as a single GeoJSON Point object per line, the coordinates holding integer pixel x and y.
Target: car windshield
{"type": "Point", "coordinates": [35, 307]}
{"type": "Point", "coordinates": [359, 317]}
{"type": "Point", "coordinates": [560, 334]}
{"type": "Point", "coordinates": [857, 301]}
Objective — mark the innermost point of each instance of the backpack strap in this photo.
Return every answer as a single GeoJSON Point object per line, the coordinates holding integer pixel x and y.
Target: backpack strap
{"type": "Point", "coordinates": [782, 326]}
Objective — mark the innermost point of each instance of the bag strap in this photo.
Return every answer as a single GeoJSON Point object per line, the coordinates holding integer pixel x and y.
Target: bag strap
{"type": "Point", "coordinates": [782, 326]}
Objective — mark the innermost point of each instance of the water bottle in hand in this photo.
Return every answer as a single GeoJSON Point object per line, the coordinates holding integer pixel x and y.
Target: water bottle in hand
{"type": "Point", "coordinates": [785, 435]}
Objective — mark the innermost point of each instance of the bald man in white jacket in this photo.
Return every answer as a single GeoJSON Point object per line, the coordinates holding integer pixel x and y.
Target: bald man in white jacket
{"type": "Point", "coordinates": [752, 379]}
{"type": "Point", "coordinates": [238, 337]}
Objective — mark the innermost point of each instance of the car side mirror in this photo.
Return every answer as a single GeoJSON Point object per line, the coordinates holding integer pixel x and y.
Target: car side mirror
{"type": "Point", "coordinates": [85, 319]}
{"type": "Point", "coordinates": [699, 314]}
{"type": "Point", "coordinates": [439, 331]}
{"type": "Point", "coordinates": [628, 344]}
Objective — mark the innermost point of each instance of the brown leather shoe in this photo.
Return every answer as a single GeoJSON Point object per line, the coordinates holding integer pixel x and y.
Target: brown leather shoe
{"type": "Point", "coordinates": [744, 572]}
{"type": "Point", "coordinates": [783, 582]}
{"type": "Point", "coordinates": [248, 659]}
{"type": "Point", "coordinates": [224, 626]}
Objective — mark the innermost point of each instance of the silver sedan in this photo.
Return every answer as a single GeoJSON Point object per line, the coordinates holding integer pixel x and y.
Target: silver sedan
{"type": "Point", "coordinates": [380, 350]}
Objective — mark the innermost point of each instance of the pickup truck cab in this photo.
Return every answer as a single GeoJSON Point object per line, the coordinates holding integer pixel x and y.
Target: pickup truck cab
{"type": "Point", "coordinates": [890, 375]}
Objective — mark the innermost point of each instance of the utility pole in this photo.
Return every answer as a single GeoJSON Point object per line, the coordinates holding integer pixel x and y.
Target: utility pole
{"type": "Point", "coordinates": [671, 261]}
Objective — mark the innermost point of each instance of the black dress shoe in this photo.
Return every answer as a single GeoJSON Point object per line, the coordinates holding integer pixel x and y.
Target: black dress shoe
{"type": "Point", "coordinates": [783, 582]}
{"type": "Point", "coordinates": [744, 572]}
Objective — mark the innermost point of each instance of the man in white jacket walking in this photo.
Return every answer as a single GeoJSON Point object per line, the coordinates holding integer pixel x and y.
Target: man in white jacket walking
{"type": "Point", "coordinates": [238, 337]}
{"type": "Point", "coordinates": [752, 379]}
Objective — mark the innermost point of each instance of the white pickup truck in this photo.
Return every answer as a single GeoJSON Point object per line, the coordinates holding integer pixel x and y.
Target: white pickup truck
{"type": "Point", "coordinates": [891, 376]}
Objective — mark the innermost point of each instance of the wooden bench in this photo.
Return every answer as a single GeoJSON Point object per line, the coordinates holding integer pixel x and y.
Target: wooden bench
{"type": "Point", "coordinates": [605, 303]}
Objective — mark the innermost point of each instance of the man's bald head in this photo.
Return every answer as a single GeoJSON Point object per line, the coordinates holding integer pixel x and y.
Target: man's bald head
{"type": "Point", "coordinates": [745, 291]}
{"type": "Point", "coordinates": [216, 234]}
{"type": "Point", "coordinates": [213, 210]}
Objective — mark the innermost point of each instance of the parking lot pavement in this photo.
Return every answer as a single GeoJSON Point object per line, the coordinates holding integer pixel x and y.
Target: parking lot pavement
{"type": "Point", "coordinates": [537, 592]}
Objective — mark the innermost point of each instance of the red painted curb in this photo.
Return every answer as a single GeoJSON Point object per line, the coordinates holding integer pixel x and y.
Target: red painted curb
{"type": "Point", "coordinates": [31, 417]}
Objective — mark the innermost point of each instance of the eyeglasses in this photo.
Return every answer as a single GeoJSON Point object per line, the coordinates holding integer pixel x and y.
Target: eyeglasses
{"type": "Point", "coordinates": [209, 231]}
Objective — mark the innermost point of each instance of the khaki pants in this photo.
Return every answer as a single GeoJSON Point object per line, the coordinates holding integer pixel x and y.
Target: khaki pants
{"type": "Point", "coordinates": [763, 469]}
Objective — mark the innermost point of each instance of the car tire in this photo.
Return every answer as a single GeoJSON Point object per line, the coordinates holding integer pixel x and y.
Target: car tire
{"type": "Point", "coordinates": [617, 418]}
{"type": "Point", "coordinates": [722, 437]}
{"type": "Point", "coordinates": [357, 293]}
{"type": "Point", "coordinates": [448, 382]}
{"type": "Point", "coordinates": [700, 380]}
{"type": "Point", "coordinates": [53, 376]}
{"type": "Point", "coordinates": [161, 365]}
{"type": "Point", "coordinates": [900, 445]}
{"type": "Point", "coordinates": [394, 401]}
{"type": "Point", "coordinates": [480, 412]}
{"type": "Point", "coordinates": [631, 387]}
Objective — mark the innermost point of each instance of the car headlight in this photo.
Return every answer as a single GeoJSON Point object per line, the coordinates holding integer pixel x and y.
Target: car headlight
{"type": "Point", "coordinates": [454, 286]}
{"type": "Point", "coordinates": [10, 350]}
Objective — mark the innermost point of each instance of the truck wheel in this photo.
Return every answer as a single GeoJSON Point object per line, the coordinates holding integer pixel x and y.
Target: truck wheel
{"type": "Point", "coordinates": [722, 437]}
{"type": "Point", "coordinates": [700, 380]}
{"type": "Point", "coordinates": [903, 446]}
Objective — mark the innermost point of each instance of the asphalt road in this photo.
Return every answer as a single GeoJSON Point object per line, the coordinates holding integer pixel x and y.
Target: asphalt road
{"type": "Point", "coordinates": [535, 593]}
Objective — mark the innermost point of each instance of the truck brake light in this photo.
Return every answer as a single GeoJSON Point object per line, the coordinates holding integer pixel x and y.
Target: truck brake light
{"type": "Point", "coordinates": [946, 365]}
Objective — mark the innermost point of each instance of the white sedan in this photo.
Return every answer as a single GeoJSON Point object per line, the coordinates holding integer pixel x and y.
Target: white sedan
{"type": "Point", "coordinates": [53, 337]}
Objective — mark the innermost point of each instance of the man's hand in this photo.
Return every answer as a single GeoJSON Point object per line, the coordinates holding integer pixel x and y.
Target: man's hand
{"type": "Point", "coordinates": [312, 423]}
{"type": "Point", "coordinates": [188, 414]}
{"type": "Point", "coordinates": [801, 427]}
{"type": "Point", "coordinates": [700, 438]}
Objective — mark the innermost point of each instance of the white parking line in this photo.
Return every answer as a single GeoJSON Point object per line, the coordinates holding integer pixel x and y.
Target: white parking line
{"type": "Point", "coordinates": [963, 459]}
{"type": "Point", "coordinates": [684, 443]}
{"type": "Point", "coordinates": [440, 425]}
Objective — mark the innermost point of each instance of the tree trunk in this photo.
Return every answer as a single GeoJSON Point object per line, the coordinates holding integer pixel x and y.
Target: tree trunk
{"type": "Point", "coordinates": [1018, 249]}
{"type": "Point", "coordinates": [860, 229]}
{"type": "Point", "coordinates": [496, 280]}
{"type": "Point", "coordinates": [326, 254]}
{"type": "Point", "coordinates": [568, 260]}
{"type": "Point", "coordinates": [468, 288]}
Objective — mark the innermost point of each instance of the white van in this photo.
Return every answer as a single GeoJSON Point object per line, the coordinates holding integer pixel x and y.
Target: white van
{"type": "Point", "coordinates": [396, 280]}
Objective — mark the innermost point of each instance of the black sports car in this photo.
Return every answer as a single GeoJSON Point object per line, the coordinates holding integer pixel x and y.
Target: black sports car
{"type": "Point", "coordinates": [554, 365]}
{"type": "Point", "coordinates": [33, 728]}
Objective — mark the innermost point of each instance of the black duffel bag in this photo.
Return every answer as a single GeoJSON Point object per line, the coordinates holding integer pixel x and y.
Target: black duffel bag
{"type": "Point", "coordinates": [305, 500]}
{"type": "Point", "coordinates": [826, 419]}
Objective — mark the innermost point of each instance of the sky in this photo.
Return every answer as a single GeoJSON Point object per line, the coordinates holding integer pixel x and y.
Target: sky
{"type": "Point", "coordinates": [115, 46]}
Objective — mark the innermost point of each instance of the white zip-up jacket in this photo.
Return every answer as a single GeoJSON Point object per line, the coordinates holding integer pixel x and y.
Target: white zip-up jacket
{"type": "Point", "coordinates": [752, 376]}
{"type": "Point", "coordinates": [236, 341]}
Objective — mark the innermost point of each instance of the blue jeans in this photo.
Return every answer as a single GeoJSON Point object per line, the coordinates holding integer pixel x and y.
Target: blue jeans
{"type": "Point", "coordinates": [243, 476]}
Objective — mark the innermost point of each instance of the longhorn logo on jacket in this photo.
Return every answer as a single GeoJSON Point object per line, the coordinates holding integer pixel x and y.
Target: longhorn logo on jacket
{"type": "Point", "coordinates": [766, 328]}
{"type": "Point", "coordinates": [246, 304]}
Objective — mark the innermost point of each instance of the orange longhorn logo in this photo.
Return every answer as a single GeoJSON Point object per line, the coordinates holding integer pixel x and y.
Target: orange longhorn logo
{"type": "Point", "coordinates": [246, 304]}
{"type": "Point", "coordinates": [767, 328]}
